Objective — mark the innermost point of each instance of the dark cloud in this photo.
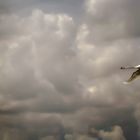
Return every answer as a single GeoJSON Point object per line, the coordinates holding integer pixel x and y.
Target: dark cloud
{"type": "Point", "coordinates": [3, 7]}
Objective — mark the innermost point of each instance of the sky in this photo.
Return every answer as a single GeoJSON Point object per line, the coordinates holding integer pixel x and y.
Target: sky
{"type": "Point", "coordinates": [60, 76]}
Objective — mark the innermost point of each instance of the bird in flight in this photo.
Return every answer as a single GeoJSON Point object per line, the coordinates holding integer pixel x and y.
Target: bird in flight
{"type": "Point", "coordinates": [134, 75]}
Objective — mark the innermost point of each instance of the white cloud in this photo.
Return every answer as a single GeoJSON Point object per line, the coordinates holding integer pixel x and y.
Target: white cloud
{"type": "Point", "coordinates": [115, 134]}
{"type": "Point", "coordinates": [90, 6]}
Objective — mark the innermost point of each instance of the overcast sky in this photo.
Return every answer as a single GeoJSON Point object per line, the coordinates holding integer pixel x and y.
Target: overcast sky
{"type": "Point", "coordinates": [60, 76]}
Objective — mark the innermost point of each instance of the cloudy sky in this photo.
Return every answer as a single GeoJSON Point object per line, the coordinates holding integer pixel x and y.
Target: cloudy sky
{"type": "Point", "coordinates": [60, 76]}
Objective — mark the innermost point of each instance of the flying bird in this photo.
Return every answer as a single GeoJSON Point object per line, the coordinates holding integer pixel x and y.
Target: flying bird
{"type": "Point", "coordinates": [134, 75]}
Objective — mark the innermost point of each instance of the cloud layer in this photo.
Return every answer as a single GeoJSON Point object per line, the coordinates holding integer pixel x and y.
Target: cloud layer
{"type": "Point", "coordinates": [60, 79]}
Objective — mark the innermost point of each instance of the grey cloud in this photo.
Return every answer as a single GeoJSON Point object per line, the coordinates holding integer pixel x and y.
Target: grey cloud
{"type": "Point", "coordinates": [48, 138]}
{"type": "Point", "coordinates": [37, 74]}
{"type": "Point", "coordinates": [113, 20]}
{"type": "Point", "coordinates": [23, 8]}
{"type": "Point", "coordinates": [137, 113]}
{"type": "Point", "coordinates": [78, 137]}
{"type": "Point", "coordinates": [60, 80]}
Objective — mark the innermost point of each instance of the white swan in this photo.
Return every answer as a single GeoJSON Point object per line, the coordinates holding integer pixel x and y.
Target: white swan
{"type": "Point", "coordinates": [134, 75]}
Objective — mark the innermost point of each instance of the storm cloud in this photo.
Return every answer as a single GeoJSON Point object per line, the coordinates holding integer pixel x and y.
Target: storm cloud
{"type": "Point", "coordinates": [60, 76]}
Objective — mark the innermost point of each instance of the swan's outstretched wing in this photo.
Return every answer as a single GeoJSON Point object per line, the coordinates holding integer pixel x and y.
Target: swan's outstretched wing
{"type": "Point", "coordinates": [138, 66]}
{"type": "Point", "coordinates": [134, 76]}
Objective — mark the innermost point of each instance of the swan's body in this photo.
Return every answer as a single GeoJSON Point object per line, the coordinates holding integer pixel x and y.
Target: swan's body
{"type": "Point", "coordinates": [134, 75]}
